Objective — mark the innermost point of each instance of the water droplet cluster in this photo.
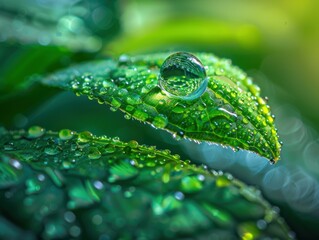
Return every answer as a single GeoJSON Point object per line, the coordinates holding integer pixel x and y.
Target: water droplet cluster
{"type": "Point", "coordinates": [228, 111]}
{"type": "Point", "coordinates": [77, 185]}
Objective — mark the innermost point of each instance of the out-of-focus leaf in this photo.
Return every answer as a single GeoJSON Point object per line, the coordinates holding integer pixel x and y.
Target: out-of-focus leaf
{"type": "Point", "coordinates": [230, 112]}
{"type": "Point", "coordinates": [65, 184]}
{"type": "Point", "coordinates": [77, 25]}
{"type": "Point", "coordinates": [21, 66]}
{"type": "Point", "coordinates": [190, 33]}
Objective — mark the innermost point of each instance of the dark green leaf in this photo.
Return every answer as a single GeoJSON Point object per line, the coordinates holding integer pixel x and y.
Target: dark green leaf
{"type": "Point", "coordinates": [71, 185]}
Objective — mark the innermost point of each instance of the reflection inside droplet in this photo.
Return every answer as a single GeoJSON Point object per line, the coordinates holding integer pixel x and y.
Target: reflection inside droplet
{"type": "Point", "coordinates": [183, 76]}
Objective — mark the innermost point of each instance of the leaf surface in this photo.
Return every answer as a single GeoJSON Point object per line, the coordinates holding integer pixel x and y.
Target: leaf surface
{"type": "Point", "coordinates": [77, 185]}
{"type": "Point", "coordinates": [230, 112]}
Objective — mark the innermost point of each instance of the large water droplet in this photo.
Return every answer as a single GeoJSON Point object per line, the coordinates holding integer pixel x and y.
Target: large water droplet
{"type": "Point", "coordinates": [183, 76]}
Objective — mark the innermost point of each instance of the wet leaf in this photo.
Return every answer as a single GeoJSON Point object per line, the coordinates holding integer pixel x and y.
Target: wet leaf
{"type": "Point", "coordinates": [58, 190]}
{"type": "Point", "coordinates": [230, 112]}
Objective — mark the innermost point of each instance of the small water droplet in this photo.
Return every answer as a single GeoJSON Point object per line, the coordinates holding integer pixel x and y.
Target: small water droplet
{"type": "Point", "coordinates": [75, 231]}
{"type": "Point", "coordinates": [191, 184]}
{"type": "Point", "coordinates": [123, 60]}
{"type": "Point", "coordinates": [98, 185]}
{"type": "Point", "coordinates": [69, 217]}
{"type": "Point", "coordinates": [127, 116]}
{"type": "Point", "coordinates": [97, 220]}
{"type": "Point", "coordinates": [134, 99]}
{"type": "Point", "coordinates": [122, 92]}
{"type": "Point", "coordinates": [8, 147]}
{"type": "Point", "coordinates": [179, 109]}
{"type": "Point", "coordinates": [35, 132]}
{"type": "Point", "coordinates": [179, 196]}
{"type": "Point", "coordinates": [261, 224]}
{"type": "Point", "coordinates": [183, 76]}
{"type": "Point", "coordinates": [65, 134]}
{"type": "Point", "coordinates": [85, 136]}
{"type": "Point", "coordinates": [222, 181]}
{"type": "Point", "coordinates": [160, 121]}
{"type": "Point", "coordinates": [109, 149]}
{"type": "Point", "coordinates": [66, 164]}
{"type": "Point", "coordinates": [51, 151]}
{"type": "Point", "coordinates": [161, 102]}
{"type": "Point", "coordinates": [140, 115]}
{"type": "Point", "coordinates": [116, 139]}
{"type": "Point", "coordinates": [94, 153]}
{"type": "Point", "coordinates": [177, 137]}
{"type": "Point", "coordinates": [133, 144]}
{"type": "Point", "coordinates": [107, 84]}
{"type": "Point", "coordinates": [115, 103]}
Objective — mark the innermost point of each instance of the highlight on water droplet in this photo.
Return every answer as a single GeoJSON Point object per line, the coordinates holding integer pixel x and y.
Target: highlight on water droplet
{"type": "Point", "coordinates": [183, 76]}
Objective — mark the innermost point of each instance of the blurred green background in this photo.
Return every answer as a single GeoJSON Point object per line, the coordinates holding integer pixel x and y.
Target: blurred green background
{"type": "Point", "coordinates": [275, 42]}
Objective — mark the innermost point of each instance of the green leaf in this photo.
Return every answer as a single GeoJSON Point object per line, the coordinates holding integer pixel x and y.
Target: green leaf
{"type": "Point", "coordinates": [66, 184]}
{"type": "Point", "coordinates": [230, 112]}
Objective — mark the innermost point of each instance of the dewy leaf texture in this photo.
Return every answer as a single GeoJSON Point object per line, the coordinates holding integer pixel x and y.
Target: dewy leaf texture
{"type": "Point", "coordinates": [77, 185]}
{"type": "Point", "coordinates": [230, 112]}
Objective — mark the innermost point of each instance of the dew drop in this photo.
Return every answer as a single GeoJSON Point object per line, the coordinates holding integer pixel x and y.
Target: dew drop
{"type": "Point", "coordinates": [97, 219]}
{"type": "Point", "coordinates": [35, 132]}
{"type": "Point", "coordinates": [191, 184]}
{"type": "Point", "coordinates": [140, 115]}
{"type": "Point", "coordinates": [179, 196]}
{"type": "Point", "coordinates": [122, 92]}
{"type": "Point", "coordinates": [66, 164]}
{"type": "Point", "coordinates": [129, 108]}
{"type": "Point", "coordinates": [222, 181]}
{"type": "Point", "coordinates": [115, 103]}
{"type": "Point", "coordinates": [127, 116]}
{"type": "Point", "coordinates": [51, 151]}
{"type": "Point", "coordinates": [85, 136]}
{"type": "Point", "coordinates": [94, 153]}
{"type": "Point", "coordinates": [124, 59]}
{"type": "Point", "coordinates": [75, 231]}
{"type": "Point", "coordinates": [109, 149]}
{"type": "Point", "coordinates": [179, 109]}
{"type": "Point", "coordinates": [183, 76]}
{"type": "Point", "coordinates": [261, 224]}
{"type": "Point", "coordinates": [69, 216]}
{"type": "Point", "coordinates": [133, 99]}
{"type": "Point", "coordinates": [98, 185]}
{"type": "Point", "coordinates": [133, 144]}
{"type": "Point", "coordinates": [65, 134]}
{"type": "Point", "coordinates": [160, 121]}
